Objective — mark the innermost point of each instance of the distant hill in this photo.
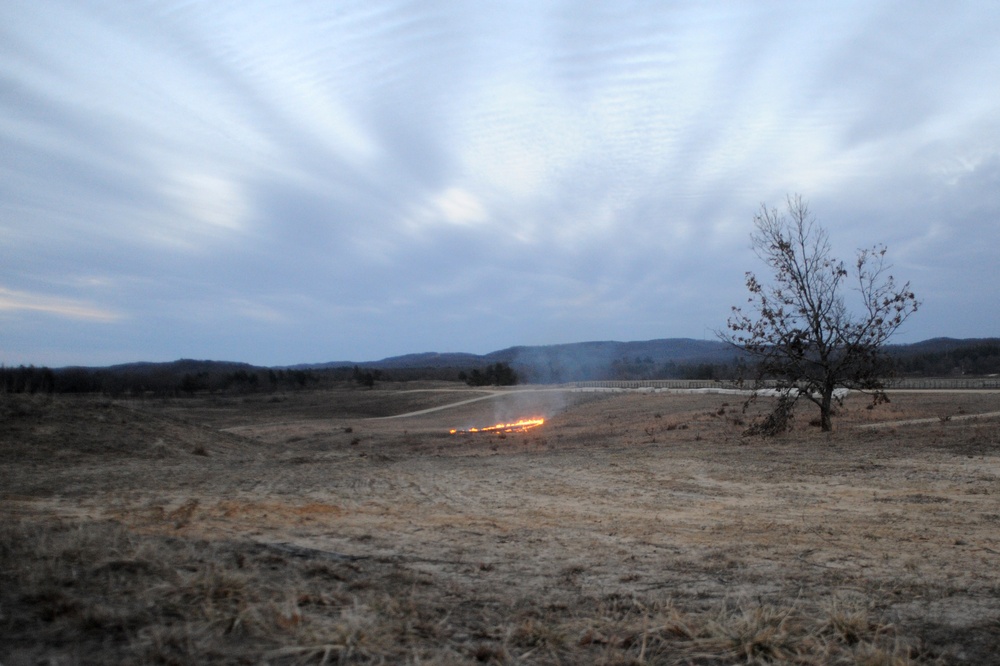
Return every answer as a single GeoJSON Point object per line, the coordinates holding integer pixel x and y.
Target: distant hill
{"type": "Point", "coordinates": [669, 358]}
{"type": "Point", "coordinates": [182, 365]}
{"type": "Point", "coordinates": [567, 362]}
{"type": "Point", "coordinates": [673, 358]}
{"type": "Point", "coordinates": [940, 345]}
{"type": "Point", "coordinates": [947, 356]}
{"type": "Point", "coordinates": [423, 360]}
{"type": "Point", "coordinates": [610, 359]}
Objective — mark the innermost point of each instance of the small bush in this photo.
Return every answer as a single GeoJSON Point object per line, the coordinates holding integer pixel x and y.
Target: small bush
{"type": "Point", "coordinates": [775, 423]}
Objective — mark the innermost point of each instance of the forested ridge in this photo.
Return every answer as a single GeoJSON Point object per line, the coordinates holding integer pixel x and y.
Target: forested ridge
{"type": "Point", "coordinates": [941, 357]}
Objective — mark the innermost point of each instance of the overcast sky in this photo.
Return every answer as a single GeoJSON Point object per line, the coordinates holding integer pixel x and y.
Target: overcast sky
{"type": "Point", "coordinates": [285, 182]}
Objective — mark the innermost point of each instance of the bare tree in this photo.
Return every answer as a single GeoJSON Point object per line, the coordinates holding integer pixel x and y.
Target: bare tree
{"type": "Point", "coordinates": [802, 333]}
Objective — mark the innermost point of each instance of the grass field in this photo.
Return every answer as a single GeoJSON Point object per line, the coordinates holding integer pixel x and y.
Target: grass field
{"type": "Point", "coordinates": [631, 528]}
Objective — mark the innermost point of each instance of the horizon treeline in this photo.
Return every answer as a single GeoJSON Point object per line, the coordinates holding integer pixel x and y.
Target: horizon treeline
{"type": "Point", "coordinates": [978, 358]}
{"type": "Point", "coordinates": [495, 374]}
{"type": "Point", "coordinates": [187, 377]}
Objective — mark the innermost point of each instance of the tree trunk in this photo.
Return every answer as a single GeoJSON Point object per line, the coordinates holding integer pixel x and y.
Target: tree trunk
{"type": "Point", "coordinates": [826, 410]}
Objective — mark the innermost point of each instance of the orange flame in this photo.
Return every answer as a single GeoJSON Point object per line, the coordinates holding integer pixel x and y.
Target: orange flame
{"type": "Point", "coordinates": [517, 426]}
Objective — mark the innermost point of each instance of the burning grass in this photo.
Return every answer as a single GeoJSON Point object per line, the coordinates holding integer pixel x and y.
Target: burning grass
{"type": "Point", "coordinates": [521, 425]}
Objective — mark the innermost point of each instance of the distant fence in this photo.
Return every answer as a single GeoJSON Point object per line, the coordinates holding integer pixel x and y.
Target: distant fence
{"type": "Point", "coordinates": [655, 383]}
{"type": "Point", "coordinates": [942, 383]}
{"type": "Point", "coordinates": [955, 384]}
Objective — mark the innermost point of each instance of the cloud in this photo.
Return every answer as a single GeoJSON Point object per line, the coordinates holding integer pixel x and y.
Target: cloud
{"type": "Point", "coordinates": [350, 181]}
{"type": "Point", "coordinates": [66, 308]}
{"type": "Point", "coordinates": [453, 206]}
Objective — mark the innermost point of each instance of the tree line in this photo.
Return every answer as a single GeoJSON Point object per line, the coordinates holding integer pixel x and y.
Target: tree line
{"type": "Point", "coordinates": [495, 374]}
{"type": "Point", "coordinates": [188, 378]}
{"type": "Point", "coordinates": [152, 381]}
{"type": "Point", "coordinates": [646, 368]}
{"type": "Point", "coordinates": [969, 358]}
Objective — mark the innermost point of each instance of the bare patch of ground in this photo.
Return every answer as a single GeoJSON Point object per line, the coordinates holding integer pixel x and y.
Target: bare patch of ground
{"type": "Point", "coordinates": [630, 528]}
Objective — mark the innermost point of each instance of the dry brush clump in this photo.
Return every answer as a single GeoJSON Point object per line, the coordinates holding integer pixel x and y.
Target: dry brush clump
{"type": "Point", "coordinates": [95, 592]}
{"type": "Point", "coordinates": [635, 630]}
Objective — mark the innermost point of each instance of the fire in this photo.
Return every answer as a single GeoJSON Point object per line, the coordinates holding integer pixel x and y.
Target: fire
{"type": "Point", "coordinates": [517, 426]}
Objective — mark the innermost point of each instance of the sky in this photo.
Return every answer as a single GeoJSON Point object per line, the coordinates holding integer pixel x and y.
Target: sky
{"type": "Point", "coordinates": [297, 182]}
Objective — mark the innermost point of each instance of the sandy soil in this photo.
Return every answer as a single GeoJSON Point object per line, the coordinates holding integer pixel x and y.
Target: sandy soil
{"type": "Point", "coordinates": [565, 544]}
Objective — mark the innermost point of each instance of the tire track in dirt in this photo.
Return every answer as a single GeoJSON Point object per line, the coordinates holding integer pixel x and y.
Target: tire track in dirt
{"type": "Point", "coordinates": [420, 412]}
{"type": "Point", "coordinates": [957, 417]}
{"type": "Point", "coordinates": [492, 396]}
{"type": "Point", "coordinates": [710, 391]}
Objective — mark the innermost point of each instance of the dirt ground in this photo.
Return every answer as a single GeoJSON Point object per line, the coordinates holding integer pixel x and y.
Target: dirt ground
{"type": "Point", "coordinates": [631, 528]}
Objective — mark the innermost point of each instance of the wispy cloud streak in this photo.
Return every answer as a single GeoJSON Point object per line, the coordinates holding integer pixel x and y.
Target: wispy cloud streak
{"type": "Point", "coordinates": [66, 308]}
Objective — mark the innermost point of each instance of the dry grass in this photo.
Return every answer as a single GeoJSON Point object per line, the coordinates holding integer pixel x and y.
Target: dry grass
{"type": "Point", "coordinates": [631, 529]}
{"type": "Point", "coordinates": [96, 592]}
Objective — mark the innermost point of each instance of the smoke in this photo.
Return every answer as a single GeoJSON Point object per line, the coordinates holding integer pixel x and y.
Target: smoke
{"type": "Point", "coordinates": [529, 403]}
{"type": "Point", "coordinates": [587, 361]}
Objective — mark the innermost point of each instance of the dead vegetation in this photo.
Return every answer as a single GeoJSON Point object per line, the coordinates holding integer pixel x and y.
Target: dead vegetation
{"type": "Point", "coordinates": [630, 529]}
